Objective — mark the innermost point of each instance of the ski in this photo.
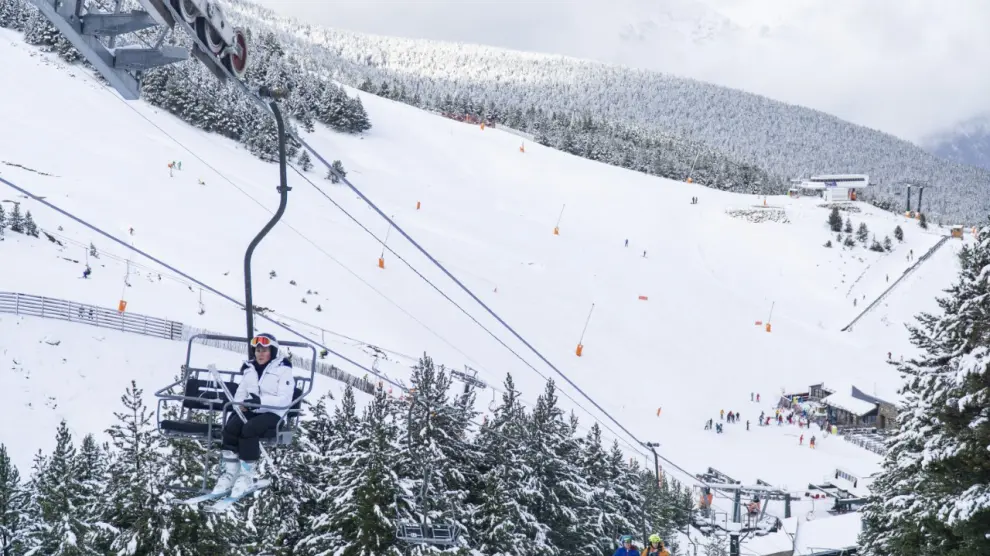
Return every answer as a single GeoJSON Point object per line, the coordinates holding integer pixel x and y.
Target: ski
{"type": "Point", "coordinates": [202, 498]}
{"type": "Point", "coordinates": [227, 502]}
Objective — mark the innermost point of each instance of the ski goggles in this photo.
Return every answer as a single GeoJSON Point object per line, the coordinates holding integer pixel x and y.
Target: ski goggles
{"type": "Point", "coordinates": [261, 341]}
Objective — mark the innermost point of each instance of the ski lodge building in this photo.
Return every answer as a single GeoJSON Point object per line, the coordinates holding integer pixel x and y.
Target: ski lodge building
{"type": "Point", "coordinates": [834, 187]}
{"type": "Point", "coordinates": [850, 407]}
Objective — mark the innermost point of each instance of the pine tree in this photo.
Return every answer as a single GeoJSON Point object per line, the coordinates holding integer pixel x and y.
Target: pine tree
{"type": "Point", "coordinates": [60, 524]}
{"type": "Point", "coordinates": [898, 233]}
{"type": "Point", "coordinates": [278, 521]}
{"type": "Point", "coordinates": [835, 220]}
{"type": "Point", "coordinates": [875, 246]}
{"type": "Point", "coordinates": [359, 121]}
{"type": "Point", "coordinates": [138, 509]}
{"type": "Point", "coordinates": [326, 445]}
{"type": "Point", "coordinates": [604, 514]}
{"type": "Point", "coordinates": [862, 233]}
{"type": "Point", "coordinates": [3, 220]}
{"type": "Point", "coordinates": [30, 228]}
{"type": "Point", "coordinates": [304, 162]}
{"type": "Point", "coordinates": [435, 450]}
{"type": "Point", "coordinates": [93, 252]}
{"type": "Point", "coordinates": [887, 244]}
{"type": "Point", "coordinates": [261, 137]}
{"type": "Point", "coordinates": [336, 172]}
{"type": "Point", "coordinates": [934, 496]}
{"type": "Point", "coordinates": [190, 530]}
{"type": "Point", "coordinates": [503, 524]}
{"type": "Point", "coordinates": [625, 483]}
{"type": "Point", "coordinates": [848, 228]}
{"type": "Point", "coordinates": [16, 220]}
{"type": "Point", "coordinates": [13, 501]}
{"type": "Point", "coordinates": [367, 486]}
{"type": "Point", "coordinates": [923, 221]}
{"type": "Point", "coordinates": [559, 488]}
{"type": "Point", "coordinates": [90, 468]}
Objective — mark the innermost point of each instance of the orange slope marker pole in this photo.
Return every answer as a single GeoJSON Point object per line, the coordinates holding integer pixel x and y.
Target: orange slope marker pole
{"type": "Point", "coordinates": [556, 229]}
{"type": "Point", "coordinates": [381, 259]}
{"type": "Point", "coordinates": [580, 346]}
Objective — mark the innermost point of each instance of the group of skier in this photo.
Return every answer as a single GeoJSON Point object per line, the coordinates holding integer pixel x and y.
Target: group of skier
{"type": "Point", "coordinates": [628, 547]}
{"type": "Point", "coordinates": [732, 417]}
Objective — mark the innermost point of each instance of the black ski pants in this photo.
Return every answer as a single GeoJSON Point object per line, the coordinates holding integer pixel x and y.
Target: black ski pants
{"type": "Point", "coordinates": [245, 438]}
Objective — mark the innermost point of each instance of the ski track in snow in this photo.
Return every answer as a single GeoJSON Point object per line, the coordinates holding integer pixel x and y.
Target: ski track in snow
{"type": "Point", "coordinates": [691, 349]}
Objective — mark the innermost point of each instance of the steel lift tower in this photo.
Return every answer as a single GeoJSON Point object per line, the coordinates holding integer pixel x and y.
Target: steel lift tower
{"type": "Point", "coordinates": [94, 33]}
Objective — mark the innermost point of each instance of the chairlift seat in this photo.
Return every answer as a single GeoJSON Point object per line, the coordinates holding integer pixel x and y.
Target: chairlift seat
{"type": "Point", "coordinates": [416, 533]}
{"type": "Point", "coordinates": [206, 393]}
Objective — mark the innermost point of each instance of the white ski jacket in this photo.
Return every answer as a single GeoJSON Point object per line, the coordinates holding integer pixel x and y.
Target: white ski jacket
{"type": "Point", "coordinates": [275, 387]}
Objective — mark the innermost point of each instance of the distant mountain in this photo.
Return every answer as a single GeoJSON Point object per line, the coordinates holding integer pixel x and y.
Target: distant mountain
{"type": "Point", "coordinates": [969, 143]}
{"type": "Point", "coordinates": [643, 120]}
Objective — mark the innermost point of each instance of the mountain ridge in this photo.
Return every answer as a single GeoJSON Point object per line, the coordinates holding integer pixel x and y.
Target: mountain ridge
{"type": "Point", "coordinates": [647, 111]}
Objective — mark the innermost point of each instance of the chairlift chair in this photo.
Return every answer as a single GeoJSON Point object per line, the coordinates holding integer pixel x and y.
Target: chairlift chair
{"type": "Point", "coordinates": [205, 404]}
{"type": "Point", "coordinates": [437, 534]}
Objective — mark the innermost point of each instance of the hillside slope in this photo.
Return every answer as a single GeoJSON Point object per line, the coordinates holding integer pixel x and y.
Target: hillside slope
{"type": "Point", "coordinates": [708, 270]}
{"type": "Point", "coordinates": [648, 121]}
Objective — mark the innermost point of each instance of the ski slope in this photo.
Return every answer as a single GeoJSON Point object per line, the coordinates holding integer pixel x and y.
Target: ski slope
{"type": "Point", "coordinates": [662, 366]}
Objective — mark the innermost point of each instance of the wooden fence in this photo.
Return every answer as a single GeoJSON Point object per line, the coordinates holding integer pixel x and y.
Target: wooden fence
{"type": "Point", "coordinates": [61, 309]}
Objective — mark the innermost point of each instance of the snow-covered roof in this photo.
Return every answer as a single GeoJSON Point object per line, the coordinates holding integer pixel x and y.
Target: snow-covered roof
{"type": "Point", "coordinates": [845, 400]}
{"type": "Point", "coordinates": [769, 544]}
{"type": "Point", "coordinates": [830, 533]}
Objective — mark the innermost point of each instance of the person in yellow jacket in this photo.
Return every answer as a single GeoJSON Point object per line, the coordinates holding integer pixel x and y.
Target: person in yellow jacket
{"type": "Point", "coordinates": [655, 547]}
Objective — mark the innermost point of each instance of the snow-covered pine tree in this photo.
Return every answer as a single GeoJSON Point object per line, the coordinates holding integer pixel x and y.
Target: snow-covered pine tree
{"type": "Point", "coordinates": [434, 449]}
{"type": "Point", "coordinates": [367, 485]}
{"type": "Point", "coordinates": [30, 228]}
{"type": "Point", "coordinates": [359, 121]}
{"type": "Point", "coordinates": [934, 497]}
{"type": "Point", "coordinates": [304, 161]}
{"type": "Point", "coordinates": [11, 14]}
{"type": "Point", "coordinates": [90, 467]}
{"type": "Point", "coordinates": [630, 500]}
{"type": "Point", "coordinates": [604, 516]}
{"type": "Point", "coordinates": [502, 523]}
{"type": "Point", "coordinates": [16, 219]}
{"type": "Point", "coordinates": [898, 233]}
{"type": "Point", "coordinates": [261, 137]}
{"type": "Point", "coordinates": [138, 502]}
{"type": "Point", "coordinates": [848, 227]}
{"type": "Point", "coordinates": [835, 220]}
{"type": "Point", "coordinates": [326, 445]}
{"type": "Point", "coordinates": [887, 244]}
{"type": "Point", "coordinates": [13, 501]}
{"type": "Point", "coordinates": [336, 172]}
{"type": "Point", "coordinates": [862, 233]}
{"type": "Point", "coordinates": [3, 217]}
{"type": "Point", "coordinates": [60, 526]}
{"type": "Point", "coordinates": [276, 514]}
{"type": "Point", "coordinates": [560, 490]}
{"type": "Point", "coordinates": [189, 528]}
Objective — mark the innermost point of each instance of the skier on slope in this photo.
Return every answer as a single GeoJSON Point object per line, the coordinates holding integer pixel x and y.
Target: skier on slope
{"type": "Point", "coordinates": [655, 547]}
{"type": "Point", "coordinates": [267, 380]}
{"type": "Point", "coordinates": [627, 548]}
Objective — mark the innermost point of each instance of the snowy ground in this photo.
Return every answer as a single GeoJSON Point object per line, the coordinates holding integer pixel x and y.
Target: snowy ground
{"type": "Point", "coordinates": [488, 211]}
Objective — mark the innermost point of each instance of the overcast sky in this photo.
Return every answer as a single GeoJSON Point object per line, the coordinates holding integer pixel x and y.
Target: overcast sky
{"type": "Point", "coordinates": [909, 67]}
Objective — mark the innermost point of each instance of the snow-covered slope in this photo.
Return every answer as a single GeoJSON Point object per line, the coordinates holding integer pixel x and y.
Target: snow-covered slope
{"type": "Point", "coordinates": [487, 212]}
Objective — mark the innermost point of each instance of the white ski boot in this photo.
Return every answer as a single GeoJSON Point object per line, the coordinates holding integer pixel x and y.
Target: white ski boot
{"type": "Point", "coordinates": [246, 481]}
{"type": "Point", "coordinates": [231, 467]}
